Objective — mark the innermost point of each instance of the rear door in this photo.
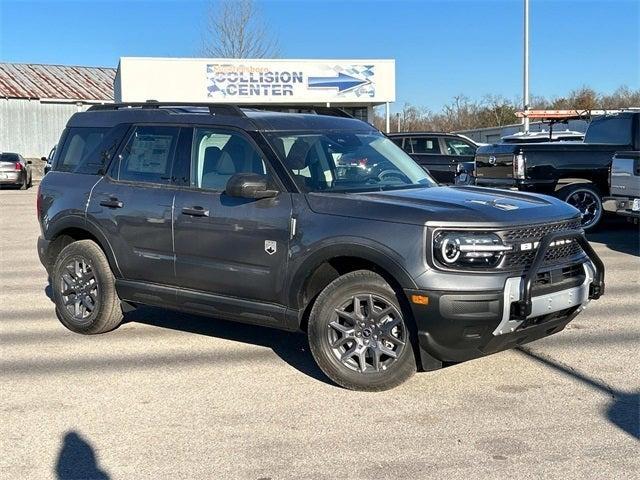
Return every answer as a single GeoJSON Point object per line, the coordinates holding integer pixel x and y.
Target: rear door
{"type": "Point", "coordinates": [227, 246]}
{"type": "Point", "coordinates": [133, 205]}
{"type": "Point", "coordinates": [426, 150]}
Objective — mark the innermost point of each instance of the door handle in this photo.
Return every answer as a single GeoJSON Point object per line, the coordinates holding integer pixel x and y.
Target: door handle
{"type": "Point", "coordinates": [112, 202]}
{"type": "Point", "coordinates": [195, 211]}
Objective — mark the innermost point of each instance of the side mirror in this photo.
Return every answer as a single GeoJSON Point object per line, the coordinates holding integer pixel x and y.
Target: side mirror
{"type": "Point", "coordinates": [44, 159]}
{"type": "Point", "coordinates": [249, 185]}
{"type": "Point", "coordinates": [29, 162]}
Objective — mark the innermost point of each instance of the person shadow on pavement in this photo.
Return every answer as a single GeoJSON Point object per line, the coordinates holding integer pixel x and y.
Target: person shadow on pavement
{"type": "Point", "coordinates": [77, 460]}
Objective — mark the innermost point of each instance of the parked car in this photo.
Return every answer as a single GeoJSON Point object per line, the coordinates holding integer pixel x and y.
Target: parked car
{"type": "Point", "coordinates": [576, 172]}
{"type": "Point", "coordinates": [48, 160]}
{"type": "Point", "coordinates": [15, 170]}
{"type": "Point", "coordinates": [625, 185]}
{"type": "Point", "coordinates": [241, 214]}
{"type": "Point", "coordinates": [438, 153]}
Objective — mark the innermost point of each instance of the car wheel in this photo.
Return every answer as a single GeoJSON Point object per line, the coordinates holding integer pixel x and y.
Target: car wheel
{"type": "Point", "coordinates": [25, 184]}
{"type": "Point", "coordinates": [587, 199]}
{"type": "Point", "coordinates": [84, 289]}
{"type": "Point", "coordinates": [358, 333]}
{"type": "Point", "coordinates": [30, 182]}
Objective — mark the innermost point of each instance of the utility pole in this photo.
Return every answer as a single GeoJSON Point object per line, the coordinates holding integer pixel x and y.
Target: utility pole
{"type": "Point", "coordinates": [525, 93]}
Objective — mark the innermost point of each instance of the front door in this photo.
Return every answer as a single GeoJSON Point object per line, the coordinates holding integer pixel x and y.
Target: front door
{"type": "Point", "coordinates": [226, 246]}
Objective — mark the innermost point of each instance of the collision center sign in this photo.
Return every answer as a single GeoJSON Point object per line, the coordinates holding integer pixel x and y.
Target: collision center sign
{"type": "Point", "coordinates": [255, 81]}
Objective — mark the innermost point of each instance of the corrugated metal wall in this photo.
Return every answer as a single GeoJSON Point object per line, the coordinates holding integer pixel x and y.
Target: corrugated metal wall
{"type": "Point", "coordinates": [30, 127]}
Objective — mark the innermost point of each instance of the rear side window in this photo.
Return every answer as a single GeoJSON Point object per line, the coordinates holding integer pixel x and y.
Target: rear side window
{"type": "Point", "coordinates": [614, 130]}
{"type": "Point", "coordinates": [148, 155]}
{"type": "Point", "coordinates": [423, 145]}
{"type": "Point", "coordinates": [80, 151]}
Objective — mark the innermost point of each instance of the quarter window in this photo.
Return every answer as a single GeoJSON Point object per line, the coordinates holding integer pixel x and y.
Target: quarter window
{"type": "Point", "coordinates": [458, 147]}
{"type": "Point", "coordinates": [148, 155]}
{"type": "Point", "coordinates": [219, 154]}
{"type": "Point", "coordinates": [80, 151]}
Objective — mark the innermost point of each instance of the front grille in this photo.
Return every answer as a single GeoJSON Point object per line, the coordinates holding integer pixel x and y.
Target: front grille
{"type": "Point", "coordinates": [534, 233]}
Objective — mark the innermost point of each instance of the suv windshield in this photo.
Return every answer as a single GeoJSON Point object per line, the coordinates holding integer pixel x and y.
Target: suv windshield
{"type": "Point", "coordinates": [347, 161]}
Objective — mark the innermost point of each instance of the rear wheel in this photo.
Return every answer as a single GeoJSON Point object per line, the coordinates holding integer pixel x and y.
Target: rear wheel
{"type": "Point", "coordinates": [84, 289]}
{"type": "Point", "coordinates": [25, 183]}
{"type": "Point", "coordinates": [587, 199]}
{"type": "Point", "coordinates": [358, 334]}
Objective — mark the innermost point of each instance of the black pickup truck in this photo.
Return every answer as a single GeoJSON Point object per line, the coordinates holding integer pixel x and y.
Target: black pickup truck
{"type": "Point", "coordinates": [576, 172]}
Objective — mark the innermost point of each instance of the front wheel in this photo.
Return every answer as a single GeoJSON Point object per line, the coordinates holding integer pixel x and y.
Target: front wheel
{"type": "Point", "coordinates": [587, 199]}
{"type": "Point", "coordinates": [84, 289]}
{"type": "Point", "coordinates": [358, 334]}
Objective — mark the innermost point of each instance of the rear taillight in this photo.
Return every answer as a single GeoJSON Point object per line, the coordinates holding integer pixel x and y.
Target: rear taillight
{"type": "Point", "coordinates": [519, 166]}
{"type": "Point", "coordinates": [363, 162]}
{"type": "Point", "coordinates": [18, 166]}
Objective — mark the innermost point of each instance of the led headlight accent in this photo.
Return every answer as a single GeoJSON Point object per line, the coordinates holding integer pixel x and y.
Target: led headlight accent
{"type": "Point", "coordinates": [468, 249]}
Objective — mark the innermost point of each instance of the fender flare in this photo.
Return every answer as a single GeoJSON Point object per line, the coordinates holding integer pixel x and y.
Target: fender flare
{"type": "Point", "coordinates": [376, 253]}
{"type": "Point", "coordinates": [81, 223]}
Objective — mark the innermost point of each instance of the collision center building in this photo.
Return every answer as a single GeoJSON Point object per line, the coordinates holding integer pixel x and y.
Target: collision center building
{"type": "Point", "coordinates": [356, 86]}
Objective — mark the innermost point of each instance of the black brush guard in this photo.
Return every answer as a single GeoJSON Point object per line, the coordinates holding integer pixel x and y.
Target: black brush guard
{"type": "Point", "coordinates": [522, 308]}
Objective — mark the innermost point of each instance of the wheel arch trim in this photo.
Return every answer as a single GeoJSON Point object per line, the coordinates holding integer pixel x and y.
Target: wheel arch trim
{"type": "Point", "coordinates": [77, 222]}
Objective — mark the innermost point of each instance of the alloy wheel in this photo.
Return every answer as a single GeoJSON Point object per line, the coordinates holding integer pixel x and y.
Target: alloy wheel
{"type": "Point", "coordinates": [367, 333]}
{"type": "Point", "coordinates": [589, 205]}
{"type": "Point", "coordinates": [79, 288]}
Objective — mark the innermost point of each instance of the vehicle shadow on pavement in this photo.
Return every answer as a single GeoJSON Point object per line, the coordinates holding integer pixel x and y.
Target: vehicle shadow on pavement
{"type": "Point", "coordinates": [624, 412]}
{"type": "Point", "coordinates": [292, 347]}
{"type": "Point", "coordinates": [77, 459]}
{"type": "Point", "coordinates": [619, 235]}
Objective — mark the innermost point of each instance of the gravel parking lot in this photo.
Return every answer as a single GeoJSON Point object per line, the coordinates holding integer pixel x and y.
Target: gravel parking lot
{"type": "Point", "coordinates": [170, 395]}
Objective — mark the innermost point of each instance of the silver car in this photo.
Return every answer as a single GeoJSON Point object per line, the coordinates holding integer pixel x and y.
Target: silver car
{"type": "Point", "coordinates": [15, 170]}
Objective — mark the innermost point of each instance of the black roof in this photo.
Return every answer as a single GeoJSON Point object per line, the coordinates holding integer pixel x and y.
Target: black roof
{"type": "Point", "coordinates": [246, 118]}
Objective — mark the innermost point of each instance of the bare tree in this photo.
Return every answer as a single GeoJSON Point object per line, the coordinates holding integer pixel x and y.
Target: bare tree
{"type": "Point", "coordinates": [236, 29]}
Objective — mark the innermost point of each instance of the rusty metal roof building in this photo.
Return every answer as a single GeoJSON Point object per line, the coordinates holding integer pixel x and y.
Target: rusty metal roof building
{"type": "Point", "coordinates": [56, 82]}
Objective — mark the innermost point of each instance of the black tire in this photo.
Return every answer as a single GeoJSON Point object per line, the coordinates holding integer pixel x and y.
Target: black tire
{"type": "Point", "coordinates": [30, 184]}
{"type": "Point", "coordinates": [591, 207]}
{"type": "Point", "coordinates": [25, 184]}
{"type": "Point", "coordinates": [99, 287]}
{"type": "Point", "coordinates": [349, 373]}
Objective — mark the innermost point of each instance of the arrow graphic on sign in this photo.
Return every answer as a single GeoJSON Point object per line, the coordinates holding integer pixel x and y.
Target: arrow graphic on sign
{"type": "Point", "coordinates": [342, 82]}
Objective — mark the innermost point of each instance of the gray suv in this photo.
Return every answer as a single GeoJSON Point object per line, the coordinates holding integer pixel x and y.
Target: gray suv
{"type": "Point", "coordinates": [247, 215]}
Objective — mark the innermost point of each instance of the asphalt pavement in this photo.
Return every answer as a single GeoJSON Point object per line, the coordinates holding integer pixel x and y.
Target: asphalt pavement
{"type": "Point", "coordinates": [170, 395]}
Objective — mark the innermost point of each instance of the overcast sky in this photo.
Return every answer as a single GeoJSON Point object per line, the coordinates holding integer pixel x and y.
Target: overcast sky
{"type": "Point", "coordinates": [442, 48]}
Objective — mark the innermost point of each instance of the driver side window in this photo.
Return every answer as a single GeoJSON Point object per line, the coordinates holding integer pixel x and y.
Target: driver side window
{"type": "Point", "coordinates": [219, 154]}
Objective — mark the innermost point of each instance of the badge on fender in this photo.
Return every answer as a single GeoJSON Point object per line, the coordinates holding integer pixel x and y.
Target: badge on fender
{"type": "Point", "coordinates": [270, 246]}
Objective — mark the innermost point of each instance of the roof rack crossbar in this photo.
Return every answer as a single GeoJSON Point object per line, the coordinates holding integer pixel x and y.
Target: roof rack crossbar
{"type": "Point", "coordinates": [214, 108]}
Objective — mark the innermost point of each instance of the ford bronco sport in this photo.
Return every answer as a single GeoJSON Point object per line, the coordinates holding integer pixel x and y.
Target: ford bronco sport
{"type": "Point", "coordinates": [244, 215]}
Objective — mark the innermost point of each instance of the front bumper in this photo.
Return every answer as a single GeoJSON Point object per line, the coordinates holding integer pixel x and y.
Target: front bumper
{"type": "Point", "coordinates": [456, 326]}
{"type": "Point", "coordinates": [622, 206]}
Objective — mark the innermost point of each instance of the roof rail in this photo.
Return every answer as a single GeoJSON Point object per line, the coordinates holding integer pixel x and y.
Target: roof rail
{"type": "Point", "coordinates": [214, 108]}
{"type": "Point", "coordinates": [318, 110]}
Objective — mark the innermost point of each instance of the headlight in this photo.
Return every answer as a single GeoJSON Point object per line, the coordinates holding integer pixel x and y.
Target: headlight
{"type": "Point", "coordinates": [468, 249]}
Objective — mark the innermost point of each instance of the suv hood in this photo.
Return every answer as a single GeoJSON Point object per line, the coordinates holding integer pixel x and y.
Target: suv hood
{"type": "Point", "coordinates": [458, 205]}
